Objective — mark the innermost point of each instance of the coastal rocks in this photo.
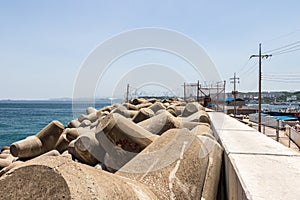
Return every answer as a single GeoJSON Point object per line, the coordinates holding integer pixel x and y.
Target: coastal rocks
{"type": "Point", "coordinates": [175, 165]}
{"type": "Point", "coordinates": [52, 178]}
{"type": "Point", "coordinates": [36, 145]}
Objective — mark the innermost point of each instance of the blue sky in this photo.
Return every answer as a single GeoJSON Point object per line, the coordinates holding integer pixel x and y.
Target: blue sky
{"type": "Point", "coordinates": [44, 43]}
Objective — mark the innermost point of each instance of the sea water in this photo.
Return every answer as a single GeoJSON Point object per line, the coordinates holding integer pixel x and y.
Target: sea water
{"type": "Point", "coordinates": [19, 119]}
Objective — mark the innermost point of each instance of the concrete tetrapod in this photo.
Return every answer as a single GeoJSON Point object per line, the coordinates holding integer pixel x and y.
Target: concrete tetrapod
{"type": "Point", "coordinates": [90, 110]}
{"type": "Point", "coordinates": [61, 178]}
{"type": "Point", "coordinates": [214, 151]}
{"type": "Point", "coordinates": [190, 109]}
{"type": "Point", "coordinates": [143, 114]}
{"type": "Point", "coordinates": [73, 133]}
{"type": "Point", "coordinates": [137, 101]}
{"type": "Point", "coordinates": [143, 105]}
{"type": "Point", "coordinates": [116, 158]}
{"type": "Point", "coordinates": [9, 167]}
{"type": "Point", "coordinates": [160, 123]}
{"type": "Point", "coordinates": [91, 117]}
{"type": "Point", "coordinates": [214, 168]}
{"type": "Point", "coordinates": [124, 133]}
{"type": "Point", "coordinates": [174, 166]}
{"type": "Point", "coordinates": [89, 149]}
{"type": "Point", "coordinates": [62, 143]}
{"type": "Point", "coordinates": [203, 129]}
{"type": "Point", "coordinates": [73, 124]}
{"type": "Point", "coordinates": [124, 111]}
{"type": "Point", "coordinates": [42, 142]}
{"type": "Point", "coordinates": [191, 125]}
{"type": "Point", "coordinates": [6, 161]}
{"type": "Point", "coordinates": [199, 116]}
{"type": "Point", "coordinates": [129, 106]}
{"type": "Point", "coordinates": [121, 139]}
{"type": "Point", "coordinates": [5, 148]}
{"type": "Point", "coordinates": [157, 106]}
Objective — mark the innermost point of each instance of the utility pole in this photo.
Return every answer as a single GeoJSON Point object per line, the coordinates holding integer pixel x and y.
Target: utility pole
{"type": "Point", "coordinates": [198, 88]}
{"type": "Point", "coordinates": [234, 80]}
{"type": "Point", "coordinates": [260, 56]}
{"type": "Point", "coordinates": [184, 91]}
{"type": "Point", "coordinates": [127, 93]}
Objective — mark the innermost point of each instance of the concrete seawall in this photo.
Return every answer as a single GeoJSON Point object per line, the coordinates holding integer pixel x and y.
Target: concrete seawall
{"type": "Point", "coordinates": [254, 166]}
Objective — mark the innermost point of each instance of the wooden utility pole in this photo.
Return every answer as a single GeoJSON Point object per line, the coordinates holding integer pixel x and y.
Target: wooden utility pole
{"type": "Point", "coordinates": [234, 80]}
{"type": "Point", "coordinates": [184, 91]}
{"type": "Point", "coordinates": [127, 93]}
{"type": "Point", "coordinates": [198, 88]}
{"type": "Point", "coordinates": [259, 83]}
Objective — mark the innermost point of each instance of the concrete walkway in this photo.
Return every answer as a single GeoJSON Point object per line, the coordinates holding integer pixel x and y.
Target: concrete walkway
{"type": "Point", "coordinates": [271, 132]}
{"type": "Point", "coordinates": [256, 167]}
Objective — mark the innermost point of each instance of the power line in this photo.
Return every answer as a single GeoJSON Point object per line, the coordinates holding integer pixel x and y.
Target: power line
{"type": "Point", "coordinates": [290, 48]}
{"type": "Point", "coordinates": [284, 52]}
{"type": "Point", "coordinates": [249, 70]}
{"type": "Point", "coordinates": [282, 81]}
{"type": "Point", "coordinates": [293, 74]}
{"type": "Point", "coordinates": [282, 36]}
{"type": "Point", "coordinates": [285, 46]}
{"type": "Point", "coordinates": [244, 66]}
{"type": "Point", "coordinates": [282, 77]}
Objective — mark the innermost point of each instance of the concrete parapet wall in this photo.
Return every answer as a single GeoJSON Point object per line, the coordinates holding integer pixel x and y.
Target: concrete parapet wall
{"type": "Point", "coordinates": [255, 166]}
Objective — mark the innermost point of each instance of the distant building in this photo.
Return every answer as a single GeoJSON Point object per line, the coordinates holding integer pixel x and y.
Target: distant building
{"type": "Point", "coordinates": [292, 98]}
{"type": "Point", "coordinates": [238, 102]}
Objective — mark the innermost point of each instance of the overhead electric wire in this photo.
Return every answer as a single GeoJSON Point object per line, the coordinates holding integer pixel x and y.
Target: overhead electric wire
{"type": "Point", "coordinates": [249, 70]}
{"type": "Point", "coordinates": [282, 47]}
{"type": "Point", "coordinates": [282, 81]}
{"type": "Point", "coordinates": [244, 66]}
{"type": "Point", "coordinates": [284, 52]}
{"type": "Point", "coordinates": [280, 75]}
{"type": "Point", "coordinates": [292, 77]}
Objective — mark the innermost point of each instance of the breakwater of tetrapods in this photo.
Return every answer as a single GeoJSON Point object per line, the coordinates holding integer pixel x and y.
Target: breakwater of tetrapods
{"type": "Point", "coordinates": [142, 149]}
